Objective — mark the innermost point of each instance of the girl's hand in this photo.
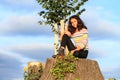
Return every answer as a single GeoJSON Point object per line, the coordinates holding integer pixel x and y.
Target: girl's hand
{"type": "Point", "coordinates": [72, 52]}
{"type": "Point", "coordinates": [68, 33]}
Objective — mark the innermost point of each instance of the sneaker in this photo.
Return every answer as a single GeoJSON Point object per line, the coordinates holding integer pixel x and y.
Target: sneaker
{"type": "Point", "coordinates": [61, 51]}
{"type": "Point", "coordinates": [54, 56]}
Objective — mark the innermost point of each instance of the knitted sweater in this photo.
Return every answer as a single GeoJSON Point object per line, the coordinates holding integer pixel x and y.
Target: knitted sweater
{"type": "Point", "coordinates": [80, 38]}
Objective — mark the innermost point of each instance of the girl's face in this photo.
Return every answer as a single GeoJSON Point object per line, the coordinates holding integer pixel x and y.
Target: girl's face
{"type": "Point", "coordinates": [74, 22]}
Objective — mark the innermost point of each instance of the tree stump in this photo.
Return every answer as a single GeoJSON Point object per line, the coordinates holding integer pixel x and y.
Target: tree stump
{"type": "Point", "coordinates": [86, 69]}
{"type": "Point", "coordinates": [35, 70]}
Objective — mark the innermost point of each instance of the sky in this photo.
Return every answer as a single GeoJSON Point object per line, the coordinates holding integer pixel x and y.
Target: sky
{"type": "Point", "coordinates": [23, 39]}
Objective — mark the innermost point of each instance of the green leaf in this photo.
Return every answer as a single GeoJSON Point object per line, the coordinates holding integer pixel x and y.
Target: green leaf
{"type": "Point", "coordinates": [54, 11]}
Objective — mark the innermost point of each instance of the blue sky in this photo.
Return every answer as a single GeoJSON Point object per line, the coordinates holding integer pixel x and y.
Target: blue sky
{"type": "Point", "coordinates": [23, 40]}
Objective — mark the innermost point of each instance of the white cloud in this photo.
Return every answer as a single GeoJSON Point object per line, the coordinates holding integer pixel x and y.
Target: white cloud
{"type": "Point", "coordinates": [18, 79]}
{"type": "Point", "coordinates": [16, 56]}
{"type": "Point", "coordinates": [95, 53]}
{"type": "Point", "coordinates": [37, 51]}
{"type": "Point", "coordinates": [30, 46]}
{"type": "Point", "coordinates": [23, 25]}
{"type": "Point", "coordinates": [19, 2]}
{"type": "Point", "coordinates": [112, 72]}
{"type": "Point", "coordinates": [101, 27]}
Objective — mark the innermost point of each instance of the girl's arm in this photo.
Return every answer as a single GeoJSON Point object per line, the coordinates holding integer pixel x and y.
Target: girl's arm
{"type": "Point", "coordinates": [65, 32]}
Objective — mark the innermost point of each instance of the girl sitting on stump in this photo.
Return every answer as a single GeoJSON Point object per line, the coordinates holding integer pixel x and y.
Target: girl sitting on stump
{"type": "Point", "coordinates": [76, 38]}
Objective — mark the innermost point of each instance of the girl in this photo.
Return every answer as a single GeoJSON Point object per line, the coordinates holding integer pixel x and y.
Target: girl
{"type": "Point", "coordinates": [76, 38]}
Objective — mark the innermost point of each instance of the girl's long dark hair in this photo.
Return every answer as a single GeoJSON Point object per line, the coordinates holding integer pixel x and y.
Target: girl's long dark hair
{"type": "Point", "coordinates": [80, 25]}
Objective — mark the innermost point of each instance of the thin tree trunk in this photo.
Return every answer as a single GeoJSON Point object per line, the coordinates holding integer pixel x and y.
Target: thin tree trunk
{"type": "Point", "coordinates": [56, 43]}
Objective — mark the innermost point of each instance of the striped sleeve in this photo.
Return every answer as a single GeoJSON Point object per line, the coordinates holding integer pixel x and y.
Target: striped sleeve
{"type": "Point", "coordinates": [81, 39]}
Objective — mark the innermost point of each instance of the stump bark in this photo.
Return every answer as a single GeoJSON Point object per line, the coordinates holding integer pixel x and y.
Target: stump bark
{"type": "Point", "coordinates": [86, 69]}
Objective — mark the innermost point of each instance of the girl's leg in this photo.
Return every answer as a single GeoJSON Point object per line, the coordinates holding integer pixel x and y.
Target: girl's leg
{"type": "Point", "coordinates": [66, 41]}
{"type": "Point", "coordinates": [81, 54]}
